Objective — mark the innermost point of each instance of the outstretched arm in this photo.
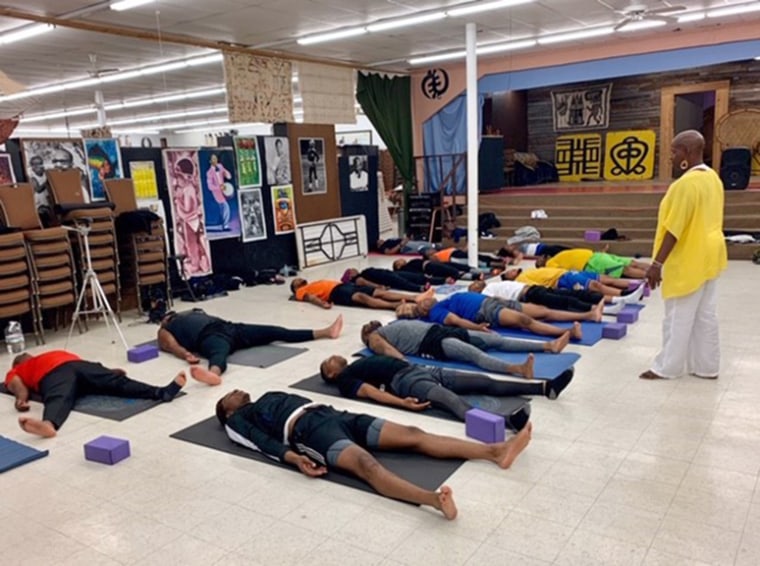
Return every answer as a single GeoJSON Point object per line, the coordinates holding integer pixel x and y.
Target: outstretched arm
{"type": "Point", "coordinates": [454, 320]}
{"type": "Point", "coordinates": [21, 392]}
{"type": "Point", "coordinates": [305, 465]}
{"type": "Point", "coordinates": [367, 283]}
{"type": "Point", "coordinates": [367, 391]}
{"type": "Point", "coordinates": [168, 343]}
{"type": "Point", "coordinates": [380, 345]}
{"type": "Point", "coordinates": [314, 300]}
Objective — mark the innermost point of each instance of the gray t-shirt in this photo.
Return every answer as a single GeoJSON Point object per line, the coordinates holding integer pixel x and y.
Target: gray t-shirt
{"type": "Point", "coordinates": [405, 335]}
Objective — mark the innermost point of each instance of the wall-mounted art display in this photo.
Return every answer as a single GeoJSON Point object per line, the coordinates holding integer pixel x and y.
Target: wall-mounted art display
{"type": "Point", "coordinates": [581, 108]}
{"type": "Point", "coordinates": [219, 183]}
{"type": "Point", "coordinates": [283, 209]}
{"type": "Point", "coordinates": [183, 182]}
{"type": "Point", "coordinates": [7, 176]}
{"type": "Point", "coordinates": [312, 165]}
{"type": "Point", "coordinates": [278, 160]}
{"type": "Point", "coordinates": [144, 179]}
{"type": "Point", "coordinates": [252, 214]}
{"type": "Point", "coordinates": [578, 157]}
{"type": "Point", "coordinates": [103, 162]}
{"type": "Point", "coordinates": [248, 163]}
{"type": "Point", "coordinates": [358, 178]}
{"type": "Point", "coordinates": [52, 153]}
{"type": "Point", "coordinates": [629, 155]}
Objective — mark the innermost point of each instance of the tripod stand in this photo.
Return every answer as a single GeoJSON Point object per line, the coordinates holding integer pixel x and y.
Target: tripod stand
{"type": "Point", "coordinates": [100, 303]}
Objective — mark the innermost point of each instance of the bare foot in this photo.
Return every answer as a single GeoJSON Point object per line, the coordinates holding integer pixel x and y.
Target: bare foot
{"type": "Point", "coordinates": [446, 503]}
{"type": "Point", "coordinates": [180, 379]}
{"type": "Point", "coordinates": [649, 374]}
{"type": "Point", "coordinates": [558, 344]}
{"type": "Point", "coordinates": [429, 294]}
{"type": "Point", "coordinates": [44, 429]}
{"type": "Point", "coordinates": [334, 330]}
{"type": "Point", "coordinates": [512, 447]}
{"type": "Point", "coordinates": [577, 331]}
{"type": "Point", "coordinates": [526, 369]}
{"type": "Point", "coordinates": [205, 376]}
{"type": "Point", "coordinates": [598, 311]}
{"type": "Point", "coordinates": [450, 281]}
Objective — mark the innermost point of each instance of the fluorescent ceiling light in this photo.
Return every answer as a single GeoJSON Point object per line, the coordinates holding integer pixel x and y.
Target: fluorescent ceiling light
{"type": "Point", "coordinates": [166, 116]}
{"type": "Point", "coordinates": [215, 122]}
{"type": "Point", "coordinates": [58, 114]}
{"type": "Point", "coordinates": [406, 21]}
{"type": "Point", "coordinates": [128, 4]}
{"type": "Point", "coordinates": [127, 131]}
{"type": "Point", "coordinates": [734, 10]}
{"type": "Point", "coordinates": [23, 33]}
{"type": "Point", "coordinates": [646, 24]}
{"type": "Point", "coordinates": [435, 58]}
{"type": "Point", "coordinates": [330, 36]}
{"type": "Point", "coordinates": [484, 7]}
{"type": "Point", "coordinates": [511, 46]}
{"type": "Point", "coordinates": [573, 35]}
{"type": "Point", "coordinates": [695, 17]}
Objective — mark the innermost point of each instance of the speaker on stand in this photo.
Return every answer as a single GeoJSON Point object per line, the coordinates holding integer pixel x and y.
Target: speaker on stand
{"type": "Point", "coordinates": [736, 168]}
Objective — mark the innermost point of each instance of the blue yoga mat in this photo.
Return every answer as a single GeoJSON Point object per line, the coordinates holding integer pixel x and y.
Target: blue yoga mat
{"type": "Point", "coordinates": [548, 366]}
{"type": "Point", "coordinates": [449, 289]}
{"type": "Point", "coordinates": [592, 333]}
{"type": "Point", "coordinates": [14, 454]}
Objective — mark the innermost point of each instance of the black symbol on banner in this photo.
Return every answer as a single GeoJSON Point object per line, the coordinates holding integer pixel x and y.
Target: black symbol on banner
{"type": "Point", "coordinates": [579, 157]}
{"type": "Point", "coordinates": [628, 157]}
{"type": "Point", "coordinates": [435, 83]}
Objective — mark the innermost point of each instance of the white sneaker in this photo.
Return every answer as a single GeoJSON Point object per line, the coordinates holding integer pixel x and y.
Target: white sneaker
{"type": "Point", "coordinates": [613, 308]}
{"type": "Point", "coordinates": [635, 297]}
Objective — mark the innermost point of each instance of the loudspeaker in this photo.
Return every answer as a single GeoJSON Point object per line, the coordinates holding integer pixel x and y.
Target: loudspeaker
{"type": "Point", "coordinates": [735, 168]}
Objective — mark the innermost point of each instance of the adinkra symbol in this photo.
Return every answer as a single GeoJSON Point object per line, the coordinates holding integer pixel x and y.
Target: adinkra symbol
{"type": "Point", "coordinates": [435, 83]}
{"type": "Point", "coordinates": [628, 156]}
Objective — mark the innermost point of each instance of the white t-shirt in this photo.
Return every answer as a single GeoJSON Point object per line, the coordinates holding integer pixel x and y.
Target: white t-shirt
{"type": "Point", "coordinates": [505, 289]}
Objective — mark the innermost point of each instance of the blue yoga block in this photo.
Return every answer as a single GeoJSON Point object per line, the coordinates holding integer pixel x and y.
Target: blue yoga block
{"type": "Point", "coordinates": [614, 330]}
{"type": "Point", "coordinates": [628, 315]}
{"type": "Point", "coordinates": [484, 426]}
{"type": "Point", "coordinates": [107, 450]}
{"type": "Point", "coordinates": [142, 353]}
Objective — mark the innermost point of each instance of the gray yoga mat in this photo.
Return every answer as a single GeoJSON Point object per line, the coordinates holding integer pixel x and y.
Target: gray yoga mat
{"type": "Point", "coordinates": [428, 473]}
{"type": "Point", "coordinates": [258, 356]}
{"type": "Point", "coordinates": [107, 406]}
{"type": "Point", "coordinates": [497, 405]}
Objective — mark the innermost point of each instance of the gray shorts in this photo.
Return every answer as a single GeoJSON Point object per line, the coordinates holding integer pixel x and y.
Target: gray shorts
{"type": "Point", "coordinates": [492, 306]}
{"type": "Point", "coordinates": [415, 381]}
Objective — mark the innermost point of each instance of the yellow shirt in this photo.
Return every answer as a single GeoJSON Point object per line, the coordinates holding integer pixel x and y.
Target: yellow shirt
{"type": "Point", "coordinates": [572, 260]}
{"type": "Point", "coordinates": [692, 210]}
{"type": "Point", "coordinates": [545, 276]}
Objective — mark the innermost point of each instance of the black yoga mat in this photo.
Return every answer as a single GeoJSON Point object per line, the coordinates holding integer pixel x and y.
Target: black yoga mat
{"type": "Point", "coordinates": [258, 356]}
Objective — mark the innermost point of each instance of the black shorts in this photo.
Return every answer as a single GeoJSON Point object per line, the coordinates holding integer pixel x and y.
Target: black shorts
{"type": "Point", "coordinates": [323, 433]}
{"type": "Point", "coordinates": [342, 294]}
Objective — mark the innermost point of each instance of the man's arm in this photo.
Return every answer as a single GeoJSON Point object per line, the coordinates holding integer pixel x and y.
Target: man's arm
{"type": "Point", "coordinates": [168, 343]}
{"type": "Point", "coordinates": [314, 300]}
{"type": "Point", "coordinates": [20, 391]}
{"type": "Point", "coordinates": [454, 320]}
{"type": "Point", "coordinates": [367, 391]}
{"type": "Point", "coordinates": [306, 465]}
{"type": "Point", "coordinates": [380, 345]}
{"type": "Point", "coordinates": [367, 283]}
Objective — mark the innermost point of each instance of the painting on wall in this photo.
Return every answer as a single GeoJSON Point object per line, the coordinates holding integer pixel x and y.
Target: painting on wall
{"type": "Point", "coordinates": [248, 162]}
{"type": "Point", "coordinates": [283, 209]}
{"type": "Point", "coordinates": [144, 179]}
{"type": "Point", "coordinates": [581, 108]}
{"type": "Point", "coordinates": [629, 155]}
{"type": "Point", "coordinates": [358, 178]}
{"type": "Point", "coordinates": [278, 160]}
{"type": "Point", "coordinates": [252, 214]}
{"type": "Point", "coordinates": [219, 184]}
{"type": "Point", "coordinates": [183, 182]}
{"type": "Point", "coordinates": [578, 157]}
{"type": "Point", "coordinates": [103, 162]}
{"type": "Point", "coordinates": [313, 177]}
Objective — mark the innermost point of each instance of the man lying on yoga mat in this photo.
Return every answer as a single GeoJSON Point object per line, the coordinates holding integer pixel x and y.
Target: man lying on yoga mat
{"type": "Point", "coordinates": [325, 292]}
{"type": "Point", "coordinates": [61, 377]}
{"type": "Point", "coordinates": [460, 257]}
{"type": "Point", "coordinates": [313, 438]}
{"type": "Point", "coordinates": [581, 259]}
{"type": "Point", "coordinates": [185, 333]}
{"type": "Point", "coordinates": [439, 342]}
{"type": "Point", "coordinates": [401, 245]}
{"type": "Point", "coordinates": [474, 311]}
{"type": "Point", "coordinates": [558, 278]}
{"type": "Point", "coordinates": [404, 280]}
{"type": "Point", "coordinates": [394, 382]}
{"type": "Point", "coordinates": [437, 269]}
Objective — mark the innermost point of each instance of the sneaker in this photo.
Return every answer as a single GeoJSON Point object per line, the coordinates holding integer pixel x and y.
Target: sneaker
{"type": "Point", "coordinates": [613, 308]}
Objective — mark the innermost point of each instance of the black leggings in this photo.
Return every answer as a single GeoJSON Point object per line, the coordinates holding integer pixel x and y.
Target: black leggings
{"type": "Point", "coordinates": [396, 280]}
{"type": "Point", "coordinates": [61, 388]}
{"type": "Point", "coordinates": [218, 346]}
{"type": "Point", "coordinates": [562, 299]}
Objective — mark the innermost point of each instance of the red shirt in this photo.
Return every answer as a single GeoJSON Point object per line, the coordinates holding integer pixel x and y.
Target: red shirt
{"type": "Point", "coordinates": [35, 368]}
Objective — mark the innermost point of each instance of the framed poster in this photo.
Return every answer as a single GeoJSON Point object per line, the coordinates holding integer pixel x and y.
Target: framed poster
{"type": "Point", "coordinates": [248, 162]}
{"type": "Point", "coordinates": [103, 162]}
{"type": "Point", "coordinates": [283, 209]}
{"type": "Point", "coordinates": [144, 179]}
{"type": "Point", "coordinates": [358, 178]}
{"type": "Point", "coordinates": [252, 214]}
{"type": "Point", "coordinates": [7, 176]}
{"type": "Point", "coordinates": [313, 175]}
{"type": "Point", "coordinates": [183, 182]}
{"type": "Point", "coordinates": [219, 184]}
{"type": "Point", "coordinates": [278, 160]}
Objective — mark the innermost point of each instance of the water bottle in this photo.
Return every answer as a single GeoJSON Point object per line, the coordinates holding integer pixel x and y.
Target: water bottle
{"type": "Point", "coordinates": [14, 338]}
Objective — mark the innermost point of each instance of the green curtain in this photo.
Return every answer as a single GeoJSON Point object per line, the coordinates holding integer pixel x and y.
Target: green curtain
{"type": "Point", "coordinates": [387, 102]}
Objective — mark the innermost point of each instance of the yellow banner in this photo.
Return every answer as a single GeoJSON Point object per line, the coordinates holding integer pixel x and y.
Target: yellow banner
{"type": "Point", "coordinates": [578, 157]}
{"type": "Point", "coordinates": [629, 155]}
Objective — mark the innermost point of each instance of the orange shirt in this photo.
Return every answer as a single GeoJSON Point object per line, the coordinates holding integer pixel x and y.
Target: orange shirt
{"type": "Point", "coordinates": [444, 255]}
{"type": "Point", "coordinates": [321, 289]}
{"type": "Point", "coordinates": [34, 369]}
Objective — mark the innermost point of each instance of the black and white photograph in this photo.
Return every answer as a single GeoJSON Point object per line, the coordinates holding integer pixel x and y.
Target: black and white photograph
{"type": "Point", "coordinates": [313, 165]}
{"type": "Point", "coordinates": [252, 215]}
{"type": "Point", "coordinates": [278, 160]}
{"type": "Point", "coordinates": [42, 154]}
{"type": "Point", "coordinates": [358, 178]}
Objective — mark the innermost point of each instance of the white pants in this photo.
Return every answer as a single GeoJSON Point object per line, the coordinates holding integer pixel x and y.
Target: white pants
{"type": "Point", "coordinates": [690, 341]}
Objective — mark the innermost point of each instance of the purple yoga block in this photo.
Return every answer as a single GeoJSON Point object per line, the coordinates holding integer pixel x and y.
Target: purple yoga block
{"type": "Point", "coordinates": [628, 315]}
{"type": "Point", "coordinates": [142, 353]}
{"type": "Point", "coordinates": [647, 291]}
{"type": "Point", "coordinates": [484, 426]}
{"type": "Point", "coordinates": [592, 235]}
{"type": "Point", "coordinates": [614, 330]}
{"type": "Point", "coordinates": [107, 450]}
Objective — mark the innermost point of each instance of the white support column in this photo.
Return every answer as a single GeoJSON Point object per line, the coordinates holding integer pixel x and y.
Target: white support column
{"type": "Point", "coordinates": [472, 145]}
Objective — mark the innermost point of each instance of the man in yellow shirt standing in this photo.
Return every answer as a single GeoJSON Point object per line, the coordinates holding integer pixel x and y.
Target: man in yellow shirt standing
{"type": "Point", "coordinates": [689, 254]}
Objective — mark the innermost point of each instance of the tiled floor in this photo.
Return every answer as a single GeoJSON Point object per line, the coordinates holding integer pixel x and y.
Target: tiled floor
{"type": "Point", "coordinates": [620, 471]}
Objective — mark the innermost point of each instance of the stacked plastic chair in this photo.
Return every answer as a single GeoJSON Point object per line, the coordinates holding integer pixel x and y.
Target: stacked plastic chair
{"type": "Point", "coordinates": [49, 249]}
{"type": "Point", "coordinates": [142, 241]}
{"type": "Point", "coordinates": [15, 281]}
{"type": "Point", "coordinates": [72, 208]}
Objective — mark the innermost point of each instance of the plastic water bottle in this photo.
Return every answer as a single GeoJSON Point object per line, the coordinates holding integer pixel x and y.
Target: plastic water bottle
{"type": "Point", "coordinates": [14, 338]}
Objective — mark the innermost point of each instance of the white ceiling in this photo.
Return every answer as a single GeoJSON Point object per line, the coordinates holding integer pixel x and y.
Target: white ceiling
{"type": "Point", "coordinates": [64, 54]}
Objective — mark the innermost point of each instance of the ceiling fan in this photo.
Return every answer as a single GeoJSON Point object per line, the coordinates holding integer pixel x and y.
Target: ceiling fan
{"type": "Point", "coordinates": [637, 12]}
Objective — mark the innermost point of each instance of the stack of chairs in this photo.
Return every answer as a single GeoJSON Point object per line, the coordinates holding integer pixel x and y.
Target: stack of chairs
{"type": "Point", "coordinates": [15, 281]}
{"type": "Point", "coordinates": [72, 208]}
{"type": "Point", "coordinates": [49, 250]}
{"type": "Point", "coordinates": [142, 241]}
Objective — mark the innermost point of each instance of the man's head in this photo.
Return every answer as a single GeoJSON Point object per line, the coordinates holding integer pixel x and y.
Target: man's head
{"type": "Point", "coordinates": [37, 165]}
{"type": "Point", "coordinates": [278, 146]}
{"type": "Point", "coordinates": [476, 286]}
{"type": "Point", "coordinates": [231, 403]}
{"type": "Point", "coordinates": [398, 264]}
{"type": "Point", "coordinates": [296, 284]}
{"type": "Point", "coordinates": [357, 164]}
{"type": "Point", "coordinates": [331, 368]}
{"type": "Point", "coordinates": [62, 159]}
{"type": "Point", "coordinates": [687, 150]}
{"type": "Point", "coordinates": [370, 328]}
{"type": "Point", "coordinates": [541, 261]}
{"type": "Point", "coordinates": [379, 243]}
{"type": "Point", "coordinates": [511, 274]}
{"type": "Point", "coordinates": [427, 253]}
{"type": "Point", "coordinates": [166, 318]}
{"type": "Point", "coordinates": [21, 358]}
{"type": "Point", "coordinates": [349, 275]}
{"type": "Point", "coordinates": [214, 159]}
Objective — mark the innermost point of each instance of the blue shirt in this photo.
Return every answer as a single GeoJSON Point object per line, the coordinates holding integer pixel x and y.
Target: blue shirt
{"type": "Point", "coordinates": [465, 305]}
